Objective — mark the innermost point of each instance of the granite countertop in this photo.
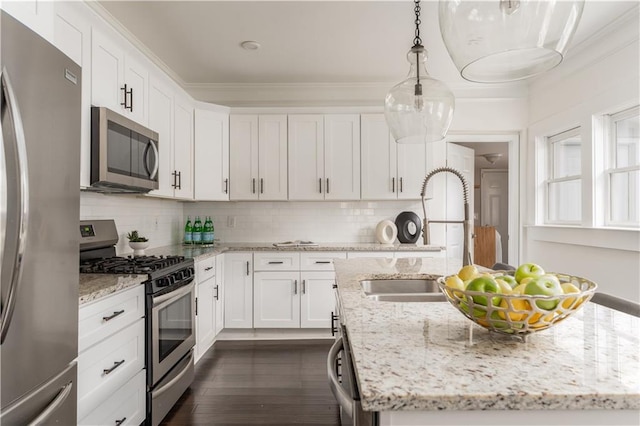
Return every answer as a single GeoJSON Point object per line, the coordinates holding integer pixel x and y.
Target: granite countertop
{"type": "Point", "coordinates": [428, 356]}
{"type": "Point", "coordinates": [95, 286]}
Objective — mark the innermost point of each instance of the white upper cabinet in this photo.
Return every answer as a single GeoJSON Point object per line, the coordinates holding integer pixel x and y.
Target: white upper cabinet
{"type": "Point", "coordinates": [118, 81]}
{"type": "Point", "coordinates": [183, 148]}
{"type": "Point", "coordinates": [161, 121]}
{"type": "Point", "coordinates": [258, 157]}
{"type": "Point", "coordinates": [390, 170]}
{"type": "Point", "coordinates": [211, 155]}
{"type": "Point", "coordinates": [35, 14]}
{"type": "Point", "coordinates": [324, 157]}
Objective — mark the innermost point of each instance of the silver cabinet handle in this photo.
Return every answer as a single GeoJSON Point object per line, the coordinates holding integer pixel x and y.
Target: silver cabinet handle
{"type": "Point", "coordinates": [217, 292]}
{"type": "Point", "coordinates": [343, 398]}
{"type": "Point", "coordinates": [174, 185]}
{"type": "Point", "coordinates": [55, 404]}
{"type": "Point", "coordinates": [126, 93]}
{"type": "Point", "coordinates": [261, 185]}
{"type": "Point", "coordinates": [320, 185]}
{"type": "Point", "coordinates": [400, 184]}
{"type": "Point", "coordinates": [295, 287]}
{"type": "Point", "coordinates": [226, 186]}
{"type": "Point", "coordinates": [327, 185]}
{"type": "Point", "coordinates": [179, 180]}
{"type": "Point", "coordinates": [247, 268]}
{"type": "Point", "coordinates": [22, 170]}
{"type": "Point", "coordinates": [304, 286]}
{"type": "Point", "coordinates": [253, 186]}
{"type": "Point", "coordinates": [115, 314]}
{"type": "Point", "coordinates": [393, 184]}
{"type": "Point", "coordinates": [116, 364]}
{"type": "Point", "coordinates": [276, 263]}
{"type": "Point", "coordinates": [323, 261]}
{"type": "Point", "coordinates": [208, 268]}
{"type": "Point", "coordinates": [119, 422]}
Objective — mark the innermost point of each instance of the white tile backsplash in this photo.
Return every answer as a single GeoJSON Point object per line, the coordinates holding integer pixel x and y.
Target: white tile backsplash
{"type": "Point", "coordinates": [158, 219]}
{"type": "Point", "coordinates": [326, 221]}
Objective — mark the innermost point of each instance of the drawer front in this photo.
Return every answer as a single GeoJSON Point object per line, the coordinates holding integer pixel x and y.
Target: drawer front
{"type": "Point", "coordinates": [126, 406]}
{"type": "Point", "coordinates": [205, 269]}
{"type": "Point", "coordinates": [320, 261]}
{"type": "Point", "coordinates": [102, 318]}
{"type": "Point", "coordinates": [108, 365]}
{"type": "Point", "coordinates": [270, 261]}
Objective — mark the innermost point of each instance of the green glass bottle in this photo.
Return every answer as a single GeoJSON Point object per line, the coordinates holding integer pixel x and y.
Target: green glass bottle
{"type": "Point", "coordinates": [197, 231]}
{"type": "Point", "coordinates": [188, 232]}
{"type": "Point", "coordinates": [213, 230]}
{"type": "Point", "coordinates": [207, 231]}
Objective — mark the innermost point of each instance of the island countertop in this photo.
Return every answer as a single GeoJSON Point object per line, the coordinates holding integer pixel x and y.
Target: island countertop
{"type": "Point", "coordinates": [429, 357]}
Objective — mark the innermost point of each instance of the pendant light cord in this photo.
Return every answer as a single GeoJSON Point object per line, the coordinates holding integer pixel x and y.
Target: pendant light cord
{"type": "Point", "coordinates": [417, 43]}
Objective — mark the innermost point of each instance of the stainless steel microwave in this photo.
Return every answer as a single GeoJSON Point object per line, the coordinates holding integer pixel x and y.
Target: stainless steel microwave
{"type": "Point", "coordinates": [124, 154]}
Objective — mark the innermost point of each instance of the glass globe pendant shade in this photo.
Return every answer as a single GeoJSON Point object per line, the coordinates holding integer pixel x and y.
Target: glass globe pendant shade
{"type": "Point", "coordinates": [420, 108]}
{"type": "Point", "coordinates": [507, 40]}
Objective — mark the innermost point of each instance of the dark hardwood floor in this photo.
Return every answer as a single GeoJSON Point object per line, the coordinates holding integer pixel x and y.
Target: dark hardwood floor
{"type": "Point", "coordinates": [259, 383]}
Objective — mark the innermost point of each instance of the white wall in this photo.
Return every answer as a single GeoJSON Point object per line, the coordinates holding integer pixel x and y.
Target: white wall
{"type": "Point", "coordinates": [157, 219]}
{"type": "Point", "coordinates": [601, 78]}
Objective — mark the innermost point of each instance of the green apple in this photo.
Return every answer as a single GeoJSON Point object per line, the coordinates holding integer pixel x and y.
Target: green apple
{"type": "Point", "coordinates": [478, 312]}
{"type": "Point", "coordinates": [509, 280]}
{"type": "Point", "coordinates": [484, 284]}
{"type": "Point", "coordinates": [545, 286]}
{"type": "Point", "coordinates": [528, 270]}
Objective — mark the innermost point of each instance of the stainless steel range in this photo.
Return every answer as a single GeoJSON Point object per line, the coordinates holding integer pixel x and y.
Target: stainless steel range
{"type": "Point", "coordinates": [170, 311]}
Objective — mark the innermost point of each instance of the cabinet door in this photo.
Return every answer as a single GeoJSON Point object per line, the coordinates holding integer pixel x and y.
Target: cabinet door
{"type": "Point", "coordinates": [342, 156]}
{"type": "Point", "coordinates": [183, 148]}
{"type": "Point", "coordinates": [211, 155]}
{"type": "Point", "coordinates": [379, 168]}
{"type": "Point", "coordinates": [238, 295]}
{"type": "Point", "coordinates": [412, 169]}
{"type": "Point", "coordinates": [161, 121]}
{"type": "Point", "coordinates": [205, 316]}
{"type": "Point", "coordinates": [35, 14]}
{"type": "Point", "coordinates": [136, 78]}
{"type": "Point", "coordinates": [306, 157]}
{"type": "Point", "coordinates": [272, 157]}
{"type": "Point", "coordinates": [276, 300]}
{"type": "Point", "coordinates": [219, 294]}
{"type": "Point", "coordinates": [243, 157]}
{"type": "Point", "coordinates": [317, 299]}
{"type": "Point", "coordinates": [107, 71]}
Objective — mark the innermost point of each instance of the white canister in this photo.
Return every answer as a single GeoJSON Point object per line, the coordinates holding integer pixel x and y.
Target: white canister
{"type": "Point", "coordinates": [386, 232]}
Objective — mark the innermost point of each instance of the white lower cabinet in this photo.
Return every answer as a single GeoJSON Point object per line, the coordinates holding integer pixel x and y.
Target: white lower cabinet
{"type": "Point", "coordinates": [317, 299]}
{"type": "Point", "coordinates": [219, 294]}
{"type": "Point", "coordinates": [276, 299]}
{"type": "Point", "coordinates": [238, 288]}
{"type": "Point", "coordinates": [205, 305]}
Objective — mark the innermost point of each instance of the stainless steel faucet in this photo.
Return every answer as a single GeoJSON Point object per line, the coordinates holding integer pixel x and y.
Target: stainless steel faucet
{"type": "Point", "coordinates": [466, 223]}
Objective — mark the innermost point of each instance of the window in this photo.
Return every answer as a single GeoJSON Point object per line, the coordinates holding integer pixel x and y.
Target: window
{"type": "Point", "coordinates": [623, 168]}
{"type": "Point", "coordinates": [564, 183]}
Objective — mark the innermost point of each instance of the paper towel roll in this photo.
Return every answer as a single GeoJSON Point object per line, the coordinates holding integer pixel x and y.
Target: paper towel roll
{"type": "Point", "coordinates": [386, 232]}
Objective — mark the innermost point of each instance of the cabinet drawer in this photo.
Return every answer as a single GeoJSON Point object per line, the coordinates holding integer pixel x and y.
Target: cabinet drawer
{"type": "Point", "coordinates": [205, 269]}
{"type": "Point", "coordinates": [108, 365]}
{"type": "Point", "coordinates": [126, 406]}
{"type": "Point", "coordinates": [269, 261]}
{"type": "Point", "coordinates": [320, 261]}
{"type": "Point", "coordinates": [100, 319]}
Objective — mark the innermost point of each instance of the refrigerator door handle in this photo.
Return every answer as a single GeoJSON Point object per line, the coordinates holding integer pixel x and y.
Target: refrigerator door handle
{"type": "Point", "coordinates": [6, 91]}
{"type": "Point", "coordinates": [55, 404]}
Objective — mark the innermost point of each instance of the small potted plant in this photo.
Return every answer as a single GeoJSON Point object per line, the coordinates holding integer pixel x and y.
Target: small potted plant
{"type": "Point", "coordinates": [137, 243]}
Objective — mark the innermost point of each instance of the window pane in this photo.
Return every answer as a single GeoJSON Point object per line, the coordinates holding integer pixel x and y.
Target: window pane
{"type": "Point", "coordinates": [565, 201]}
{"type": "Point", "coordinates": [567, 157]}
{"type": "Point", "coordinates": [627, 140]}
{"type": "Point", "coordinates": [624, 190]}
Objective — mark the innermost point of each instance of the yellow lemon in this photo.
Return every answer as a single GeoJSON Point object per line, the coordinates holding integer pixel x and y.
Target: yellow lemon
{"type": "Point", "coordinates": [505, 288]}
{"type": "Point", "coordinates": [519, 289]}
{"type": "Point", "coordinates": [569, 288]}
{"type": "Point", "coordinates": [526, 280]}
{"type": "Point", "coordinates": [468, 272]}
{"type": "Point", "coordinates": [454, 282]}
{"type": "Point", "coordinates": [518, 305]}
{"type": "Point", "coordinates": [535, 322]}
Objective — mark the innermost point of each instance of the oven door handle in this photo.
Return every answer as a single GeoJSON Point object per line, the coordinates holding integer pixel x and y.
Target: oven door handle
{"type": "Point", "coordinates": [156, 393]}
{"type": "Point", "coordinates": [344, 399]}
{"type": "Point", "coordinates": [174, 294]}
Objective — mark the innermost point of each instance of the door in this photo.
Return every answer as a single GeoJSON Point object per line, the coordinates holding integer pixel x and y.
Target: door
{"type": "Point", "coordinates": [211, 155]}
{"type": "Point", "coordinates": [183, 148]}
{"type": "Point", "coordinates": [161, 121]}
{"type": "Point", "coordinates": [306, 157]}
{"type": "Point", "coordinates": [412, 169]}
{"type": "Point", "coordinates": [494, 190]}
{"type": "Point", "coordinates": [243, 157]}
{"type": "Point", "coordinates": [40, 118]}
{"type": "Point", "coordinates": [317, 300]}
{"type": "Point", "coordinates": [462, 159]}
{"type": "Point", "coordinates": [342, 156]}
{"type": "Point", "coordinates": [272, 157]}
{"type": "Point", "coordinates": [238, 298]}
{"type": "Point", "coordinates": [378, 160]}
{"type": "Point", "coordinates": [276, 299]}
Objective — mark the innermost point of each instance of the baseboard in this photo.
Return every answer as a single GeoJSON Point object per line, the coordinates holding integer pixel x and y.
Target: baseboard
{"type": "Point", "coordinates": [274, 334]}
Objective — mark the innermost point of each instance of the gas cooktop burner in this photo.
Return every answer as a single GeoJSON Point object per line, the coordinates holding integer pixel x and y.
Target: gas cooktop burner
{"type": "Point", "coordinates": [129, 265]}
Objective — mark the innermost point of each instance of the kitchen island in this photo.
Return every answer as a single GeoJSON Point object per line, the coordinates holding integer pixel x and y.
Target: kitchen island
{"type": "Point", "coordinates": [425, 363]}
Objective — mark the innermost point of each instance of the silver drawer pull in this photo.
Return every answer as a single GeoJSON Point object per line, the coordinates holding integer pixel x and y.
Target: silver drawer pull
{"type": "Point", "coordinates": [323, 261]}
{"type": "Point", "coordinates": [115, 365]}
{"type": "Point", "coordinates": [276, 263]}
{"type": "Point", "coordinates": [208, 268]}
{"type": "Point", "coordinates": [115, 314]}
{"type": "Point", "coordinates": [119, 422]}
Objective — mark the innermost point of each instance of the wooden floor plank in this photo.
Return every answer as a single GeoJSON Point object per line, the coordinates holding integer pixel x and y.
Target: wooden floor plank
{"type": "Point", "coordinates": [259, 382]}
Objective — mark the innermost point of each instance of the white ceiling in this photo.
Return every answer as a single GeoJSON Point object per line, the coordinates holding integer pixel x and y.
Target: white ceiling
{"type": "Point", "coordinates": [336, 42]}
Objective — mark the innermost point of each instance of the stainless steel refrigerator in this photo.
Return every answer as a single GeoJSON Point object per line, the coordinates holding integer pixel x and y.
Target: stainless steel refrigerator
{"type": "Point", "coordinates": [39, 235]}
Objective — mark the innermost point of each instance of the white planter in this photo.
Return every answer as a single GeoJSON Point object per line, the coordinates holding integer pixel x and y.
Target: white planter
{"type": "Point", "coordinates": [138, 247]}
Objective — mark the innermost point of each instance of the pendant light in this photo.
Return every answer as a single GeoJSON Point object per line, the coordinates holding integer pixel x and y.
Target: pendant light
{"type": "Point", "coordinates": [420, 108]}
{"type": "Point", "coordinates": [507, 40]}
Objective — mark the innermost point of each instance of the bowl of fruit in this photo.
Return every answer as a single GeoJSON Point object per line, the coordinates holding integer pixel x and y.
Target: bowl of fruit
{"type": "Point", "coordinates": [517, 302]}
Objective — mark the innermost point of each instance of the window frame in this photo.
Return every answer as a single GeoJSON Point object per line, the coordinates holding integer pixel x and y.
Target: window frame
{"type": "Point", "coordinates": [552, 179]}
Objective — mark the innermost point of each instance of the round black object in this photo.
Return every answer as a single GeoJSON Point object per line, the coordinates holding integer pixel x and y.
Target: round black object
{"type": "Point", "coordinates": [409, 226]}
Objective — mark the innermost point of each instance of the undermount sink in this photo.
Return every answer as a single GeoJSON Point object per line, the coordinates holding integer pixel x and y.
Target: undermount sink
{"type": "Point", "coordinates": [402, 290]}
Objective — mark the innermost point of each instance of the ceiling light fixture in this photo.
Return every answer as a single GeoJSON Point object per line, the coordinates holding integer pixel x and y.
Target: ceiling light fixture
{"type": "Point", "coordinates": [491, 158]}
{"type": "Point", "coordinates": [420, 108]}
{"type": "Point", "coordinates": [250, 45]}
{"type": "Point", "coordinates": [507, 40]}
